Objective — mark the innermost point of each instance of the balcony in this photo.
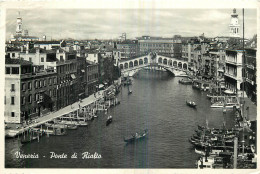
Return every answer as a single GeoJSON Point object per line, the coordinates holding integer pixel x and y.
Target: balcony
{"type": "Point", "coordinates": [233, 76]}
{"type": "Point", "coordinates": [233, 62]}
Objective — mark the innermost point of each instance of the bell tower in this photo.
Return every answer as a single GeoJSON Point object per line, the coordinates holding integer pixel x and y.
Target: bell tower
{"type": "Point", "coordinates": [19, 29]}
{"type": "Point", "coordinates": [234, 26]}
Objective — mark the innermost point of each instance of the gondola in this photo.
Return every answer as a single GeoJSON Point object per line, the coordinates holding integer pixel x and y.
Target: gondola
{"type": "Point", "coordinates": [136, 137]}
{"type": "Point", "coordinates": [191, 104]}
{"type": "Point", "coordinates": [109, 120]}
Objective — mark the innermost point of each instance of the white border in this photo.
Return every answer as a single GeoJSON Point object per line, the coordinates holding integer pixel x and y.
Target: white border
{"type": "Point", "coordinates": [115, 4]}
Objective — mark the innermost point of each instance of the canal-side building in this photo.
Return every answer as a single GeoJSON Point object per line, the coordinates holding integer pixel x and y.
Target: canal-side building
{"type": "Point", "coordinates": [28, 92]}
{"type": "Point", "coordinates": [92, 77]}
{"type": "Point", "coordinates": [38, 93]}
{"type": "Point", "coordinates": [250, 73]}
{"type": "Point", "coordinates": [233, 70]}
{"type": "Point", "coordinates": [81, 77]}
{"type": "Point", "coordinates": [169, 47]}
{"type": "Point", "coordinates": [128, 48]}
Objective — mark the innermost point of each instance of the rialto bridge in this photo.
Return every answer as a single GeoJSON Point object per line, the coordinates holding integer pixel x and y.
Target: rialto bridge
{"type": "Point", "coordinates": [154, 61]}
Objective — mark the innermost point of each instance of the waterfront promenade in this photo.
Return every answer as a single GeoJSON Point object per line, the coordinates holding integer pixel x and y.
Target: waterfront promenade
{"type": "Point", "coordinates": [14, 131]}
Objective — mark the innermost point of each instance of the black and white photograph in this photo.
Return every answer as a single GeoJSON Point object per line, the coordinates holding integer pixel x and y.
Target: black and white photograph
{"type": "Point", "coordinates": [129, 87]}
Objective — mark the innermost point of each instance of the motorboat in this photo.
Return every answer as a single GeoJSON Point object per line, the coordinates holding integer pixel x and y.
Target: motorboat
{"type": "Point", "coordinates": [109, 120]}
{"type": "Point", "coordinates": [191, 104]}
{"type": "Point", "coordinates": [185, 82]}
{"type": "Point", "coordinates": [136, 137]}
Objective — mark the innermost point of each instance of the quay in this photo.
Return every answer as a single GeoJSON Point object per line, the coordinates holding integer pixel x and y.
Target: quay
{"type": "Point", "coordinates": [75, 107]}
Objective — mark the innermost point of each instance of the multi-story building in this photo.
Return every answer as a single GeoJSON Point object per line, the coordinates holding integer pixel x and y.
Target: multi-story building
{"type": "Point", "coordinates": [92, 77]}
{"type": "Point", "coordinates": [250, 73]}
{"type": "Point", "coordinates": [233, 70]}
{"type": "Point", "coordinates": [164, 46]}
{"type": "Point", "coordinates": [38, 93]}
{"type": "Point", "coordinates": [128, 48]}
{"type": "Point", "coordinates": [27, 93]}
{"type": "Point", "coordinates": [217, 63]}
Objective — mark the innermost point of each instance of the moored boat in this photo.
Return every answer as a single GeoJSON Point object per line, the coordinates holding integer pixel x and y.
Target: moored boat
{"type": "Point", "coordinates": [185, 82]}
{"type": "Point", "coordinates": [72, 127]}
{"type": "Point", "coordinates": [28, 139]}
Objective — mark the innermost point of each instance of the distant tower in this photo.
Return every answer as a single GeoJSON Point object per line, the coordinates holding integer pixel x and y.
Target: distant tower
{"type": "Point", "coordinates": [234, 26]}
{"type": "Point", "coordinates": [19, 30]}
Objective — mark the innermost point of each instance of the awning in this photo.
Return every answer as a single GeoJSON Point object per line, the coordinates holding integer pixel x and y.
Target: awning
{"type": "Point", "coordinates": [100, 86]}
{"type": "Point", "coordinates": [228, 91]}
{"type": "Point", "coordinates": [82, 70]}
{"type": "Point", "coordinates": [73, 76]}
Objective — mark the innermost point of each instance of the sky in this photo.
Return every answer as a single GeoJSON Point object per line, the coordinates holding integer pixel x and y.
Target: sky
{"type": "Point", "coordinates": [111, 23]}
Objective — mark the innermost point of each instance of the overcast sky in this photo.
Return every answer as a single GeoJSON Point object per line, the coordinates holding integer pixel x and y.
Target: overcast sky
{"type": "Point", "coordinates": [111, 23]}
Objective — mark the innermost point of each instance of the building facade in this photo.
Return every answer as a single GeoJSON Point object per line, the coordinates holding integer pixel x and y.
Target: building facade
{"type": "Point", "coordinates": [233, 70]}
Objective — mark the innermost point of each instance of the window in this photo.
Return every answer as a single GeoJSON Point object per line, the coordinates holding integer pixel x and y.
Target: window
{"type": "Point", "coordinates": [23, 86]}
{"type": "Point", "coordinates": [42, 59]}
{"type": "Point", "coordinates": [23, 100]}
{"type": "Point", "coordinates": [36, 97]}
{"type": "Point", "coordinates": [13, 54]}
{"type": "Point", "coordinates": [35, 84]}
{"type": "Point", "coordinates": [12, 87]}
{"type": "Point", "coordinates": [44, 82]}
{"type": "Point", "coordinates": [5, 99]}
{"type": "Point", "coordinates": [12, 100]}
{"type": "Point", "coordinates": [15, 70]}
{"type": "Point", "coordinates": [40, 84]}
{"type": "Point", "coordinates": [7, 70]}
{"type": "Point", "coordinates": [49, 81]}
{"type": "Point", "coordinates": [61, 58]}
{"type": "Point", "coordinates": [30, 98]}
{"type": "Point", "coordinates": [50, 92]}
{"type": "Point", "coordinates": [54, 80]}
{"type": "Point", "coordinates": [54, 92]}
{"type": "Point", "coordinates": [30, 59]}
{"type": "Point", "coordinates": [12, 114]}
{"type": "Point", "coordinates": [29, 85]}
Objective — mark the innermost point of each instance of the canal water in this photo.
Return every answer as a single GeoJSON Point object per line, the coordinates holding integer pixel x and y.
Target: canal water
{"type": "Point", "coordinates": [157, 104]}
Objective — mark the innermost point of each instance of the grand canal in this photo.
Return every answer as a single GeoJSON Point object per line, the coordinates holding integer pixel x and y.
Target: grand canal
{"type": "Point", "coordinates": [157, 104]}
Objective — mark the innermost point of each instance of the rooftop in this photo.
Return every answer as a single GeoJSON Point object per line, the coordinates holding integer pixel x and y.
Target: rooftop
{"type": "Point", "coordinates": [17, 61]}
{"type": "Point", "coordinates": [47, 42]}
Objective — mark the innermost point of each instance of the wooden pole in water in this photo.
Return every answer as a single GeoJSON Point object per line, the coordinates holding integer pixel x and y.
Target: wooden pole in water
{"type": "Point", "coordinates": [235, 153]}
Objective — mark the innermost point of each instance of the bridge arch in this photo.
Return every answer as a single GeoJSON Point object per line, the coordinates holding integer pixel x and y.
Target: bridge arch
{"type": "Point", "coordinates": [170, 62]}
{"type": "Point", "coordinates": [160, 60]}
{"type": "Point", "coordinates": [175, 64]}
{"type": "Point", "coordinates": [165, 61]}
{"type": "Point", "coordinates": [121, 66]}
{"type": "Point", "coordinates": [180, 65]}
{"type": "Point", "coordinates": [141, 62]}
{"type": "Point", "coordinates": [145, 60]}
{"type": "Point", "coordinates": [131, 64]}
{"type": "Point", "coordinates": [136, 63]}
{"type": "Point", "coordinates": [126, 65]}
{"type": "Point", "coordinates": [185, 66]}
